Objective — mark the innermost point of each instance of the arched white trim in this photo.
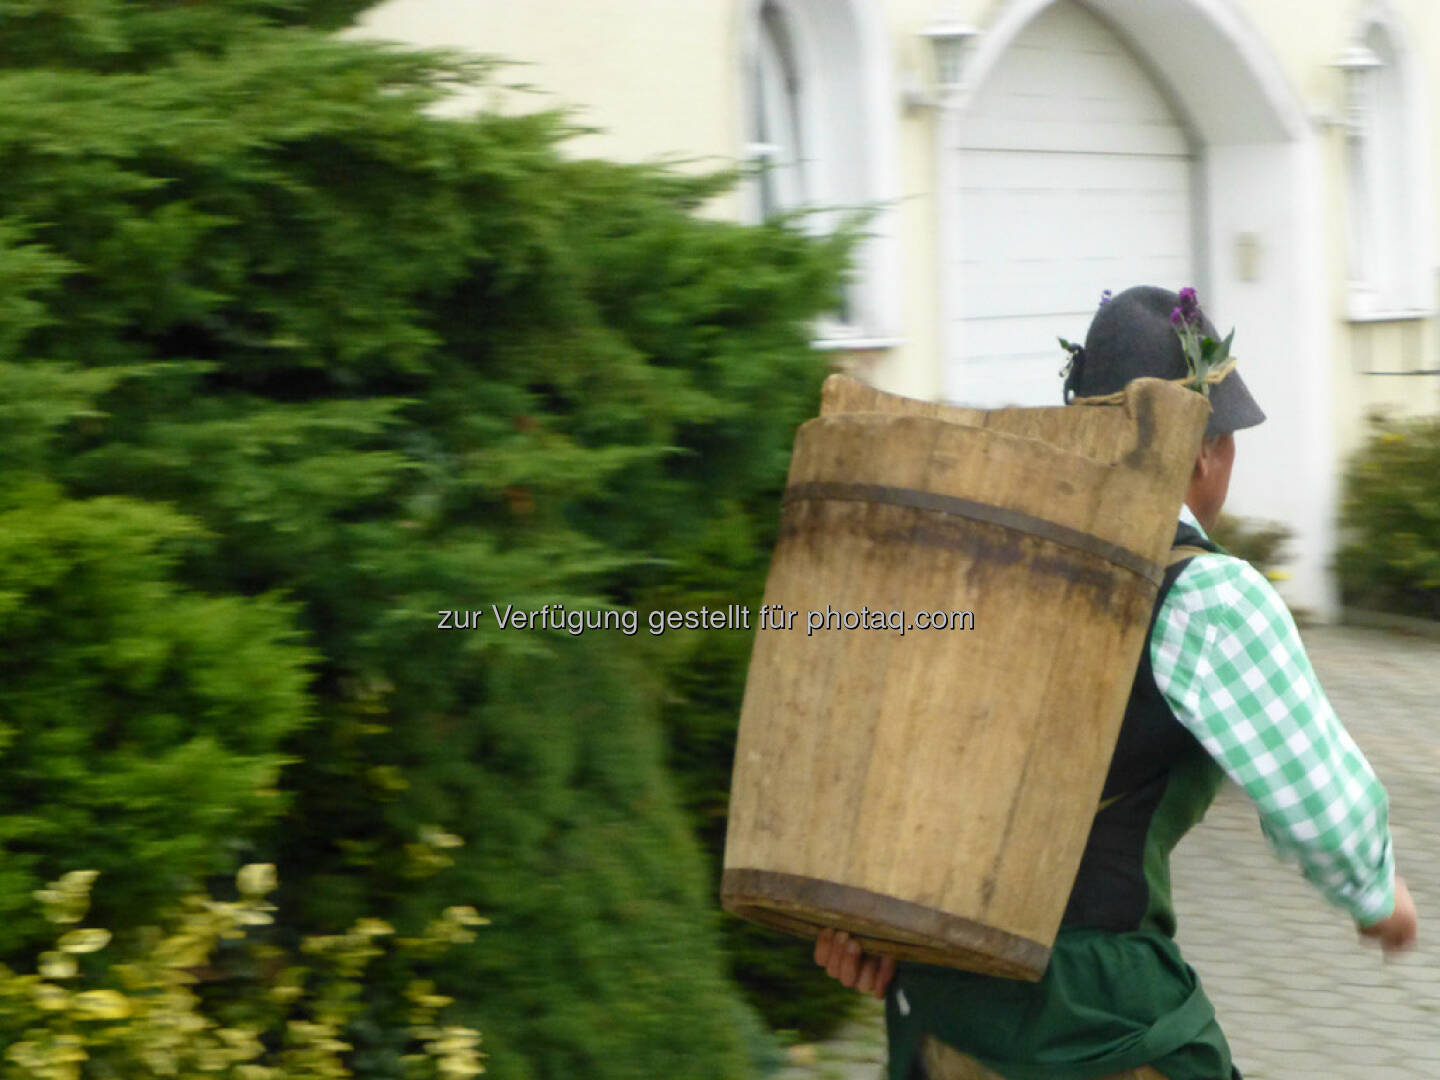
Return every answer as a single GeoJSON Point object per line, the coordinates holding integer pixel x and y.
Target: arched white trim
{"type": "Point", "coordinates": [851, 121]}
{"type": "Point", "coordinates": [777, 119]}
{"type": "Point", "coordinates": [1391, 229]}
{"type": "Point", "coordinates": [1260, 175]}
{"type": "Point", "coordinates": [1219, 44]}
{"type": "Point", "coordinates": [1208, 44]}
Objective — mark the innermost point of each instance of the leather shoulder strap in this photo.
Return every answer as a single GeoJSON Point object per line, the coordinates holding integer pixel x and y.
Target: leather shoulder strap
{"type": "Point", "coordinates": [1185, 551]}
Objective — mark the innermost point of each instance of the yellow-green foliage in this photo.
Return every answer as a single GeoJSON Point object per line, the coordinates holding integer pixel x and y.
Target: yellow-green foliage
{"type": "Point", "coordinates": [282, 1016]}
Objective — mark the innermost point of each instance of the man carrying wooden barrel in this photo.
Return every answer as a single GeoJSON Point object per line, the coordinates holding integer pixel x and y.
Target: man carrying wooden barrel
{"type": "Point", "coordinates": [1224, 687]}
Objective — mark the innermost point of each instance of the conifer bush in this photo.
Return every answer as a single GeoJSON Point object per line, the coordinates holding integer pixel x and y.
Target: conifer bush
{"type": "Point", "coordinates": [141, 720]}
{"type": "Point", "coordinates": [350, 364]}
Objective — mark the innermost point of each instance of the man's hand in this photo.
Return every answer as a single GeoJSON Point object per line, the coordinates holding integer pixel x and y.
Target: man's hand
{"type": "Point", "coordinates": [842, 959]}
{"type": "Point", "coordinates": [1395, 932]}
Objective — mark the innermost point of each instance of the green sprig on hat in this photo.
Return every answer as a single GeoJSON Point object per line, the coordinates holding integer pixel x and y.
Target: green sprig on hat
{"type": "Point", "coordinates": [1203, 355]}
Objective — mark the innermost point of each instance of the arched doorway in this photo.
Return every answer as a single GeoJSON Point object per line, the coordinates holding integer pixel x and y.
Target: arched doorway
{"type": "Point", "coordinates": [1075, 175]}
{"type": "Point", "coordinates": [1255, 252]}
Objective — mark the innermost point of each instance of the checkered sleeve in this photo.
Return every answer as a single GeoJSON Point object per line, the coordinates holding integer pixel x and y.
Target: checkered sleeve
{"type": "Point", "coordinates": [1229, 661]}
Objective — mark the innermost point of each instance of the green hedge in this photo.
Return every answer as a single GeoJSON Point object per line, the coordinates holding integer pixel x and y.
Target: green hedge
{"type": "Point", "coordinates": [389, 364]}
{"type": "Point", "coordinates": [141, 721]}
{"type": "Point", "coordinates": [1390, 560]}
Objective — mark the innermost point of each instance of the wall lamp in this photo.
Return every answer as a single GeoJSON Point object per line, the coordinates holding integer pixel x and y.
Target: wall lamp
{"type": "Point", "coordinates": [947, 40]}
{"type": "Point", "coordinates": [1357, 64]}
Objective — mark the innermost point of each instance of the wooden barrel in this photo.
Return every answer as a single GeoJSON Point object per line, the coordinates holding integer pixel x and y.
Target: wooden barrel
{"type": "Point", "coordinates": [930, 790]}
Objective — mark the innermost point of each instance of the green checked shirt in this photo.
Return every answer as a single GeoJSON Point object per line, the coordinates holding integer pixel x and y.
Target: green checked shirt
{"type": "Point", "coordinates": [1229, 661]}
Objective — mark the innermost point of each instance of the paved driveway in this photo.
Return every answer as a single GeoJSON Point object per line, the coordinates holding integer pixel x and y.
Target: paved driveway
{"type": "Point", "coordinates": [1297, 994]}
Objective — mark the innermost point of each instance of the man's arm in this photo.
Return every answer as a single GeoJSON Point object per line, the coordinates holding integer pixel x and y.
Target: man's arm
{"type": "Point", "coordinates": [1229, 660]}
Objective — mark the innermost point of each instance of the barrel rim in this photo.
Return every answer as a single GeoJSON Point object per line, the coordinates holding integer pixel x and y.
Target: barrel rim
{"type": "Point", "coordinates": [804, 905]}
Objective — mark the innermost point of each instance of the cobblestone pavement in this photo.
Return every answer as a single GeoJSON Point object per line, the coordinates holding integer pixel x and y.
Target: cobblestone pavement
{"type": "Point", "coordinates": [1299, 997]}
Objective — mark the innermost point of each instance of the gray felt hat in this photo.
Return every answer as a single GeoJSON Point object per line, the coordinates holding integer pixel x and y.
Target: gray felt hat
{"type": "Point", "coordinates": [1131, 338]}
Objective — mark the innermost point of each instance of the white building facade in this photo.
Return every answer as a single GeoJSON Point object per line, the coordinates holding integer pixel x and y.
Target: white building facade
{"type": "Point", "coordinates": [1029, 154]}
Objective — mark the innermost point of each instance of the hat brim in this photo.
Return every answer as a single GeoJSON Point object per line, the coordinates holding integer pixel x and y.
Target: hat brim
{"type": "Point", "coordinates": [1231, 407]}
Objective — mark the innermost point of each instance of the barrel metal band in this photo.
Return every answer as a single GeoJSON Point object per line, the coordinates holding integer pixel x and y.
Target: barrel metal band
{"type": "Point", "coordinates": [954, 506]}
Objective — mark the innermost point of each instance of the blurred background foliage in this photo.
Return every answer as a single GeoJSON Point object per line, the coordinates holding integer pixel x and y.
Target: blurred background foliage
{"type": "Point", "coordinates": [290, 365]}
{"type": "Point", "coordinates": [1390, 515]}
{"type": "Point", "coordinates": [1265, 545]}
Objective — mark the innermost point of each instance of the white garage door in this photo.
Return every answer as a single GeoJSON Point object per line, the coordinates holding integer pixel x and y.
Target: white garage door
{"type": "Point", "coordinates": [1074, 176]}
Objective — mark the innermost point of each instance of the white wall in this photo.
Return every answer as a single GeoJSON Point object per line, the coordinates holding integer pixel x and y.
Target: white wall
{"type": "Point", "coordinates": [1284, 469]}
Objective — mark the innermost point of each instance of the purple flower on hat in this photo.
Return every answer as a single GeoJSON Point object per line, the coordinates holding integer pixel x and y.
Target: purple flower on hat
{"type": "Point", "coordinates": [1105, 297]}
{"type": "Point", "coordinates": [1177, 318]}
{"type": "Point", "coordinates": [1189, 306]}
